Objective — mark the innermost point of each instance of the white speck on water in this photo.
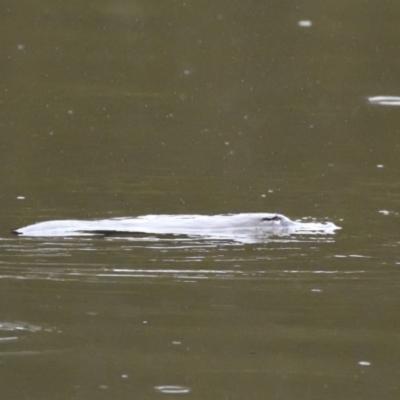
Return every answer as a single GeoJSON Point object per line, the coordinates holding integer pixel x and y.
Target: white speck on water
{"type": "Point", "coordinates": [305, 23]}
{"type": "Point", "coordinates": [70, 112]}
{"type": "Point", "coordinates": [364, 363]}
{"type": "Point", "coordinates": [21, 47]}
{"type": "Point", "coordinates": [380, 166]}
{"type": "Point", "coordinates": [316, 290]}
{"type": "Point", "coordinates": [176, 342]}
{"type": "Point", "coordinates": [145, 322]}
{"type": "Point", "coordinates": [124, 376]}
{"type": "Point", "coordinates": [20, 197]}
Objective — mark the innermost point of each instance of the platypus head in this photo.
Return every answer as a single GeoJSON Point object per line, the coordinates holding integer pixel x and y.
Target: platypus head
{"type": "Point", "coordinates": [277, 219]}
{"type": "Point", "coordinates": [274, 218]}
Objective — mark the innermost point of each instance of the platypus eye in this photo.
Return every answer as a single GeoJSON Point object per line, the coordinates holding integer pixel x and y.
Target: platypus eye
{"type": "Point", "coordinates": [274, 218]}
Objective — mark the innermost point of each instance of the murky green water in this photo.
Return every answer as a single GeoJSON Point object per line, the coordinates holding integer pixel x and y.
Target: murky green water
{"type": "Point", "coordinates": [128, 108]}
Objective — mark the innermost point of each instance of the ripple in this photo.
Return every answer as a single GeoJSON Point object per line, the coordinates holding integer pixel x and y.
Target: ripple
{"type": "Point", "coordinates": [172, 389]}
{"type": "Point", "coordinates": [385, 100]}
{"type": "Point", "coordinates": [14, 331]}
{"type": "Point", "coordinates": [19, 326]}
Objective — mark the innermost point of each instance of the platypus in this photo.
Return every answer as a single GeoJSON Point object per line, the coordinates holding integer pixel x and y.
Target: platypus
{"type": "Point", "coordinates": [223, 225]}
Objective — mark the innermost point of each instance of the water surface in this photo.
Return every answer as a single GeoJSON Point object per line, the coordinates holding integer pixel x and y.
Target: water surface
{"type": "Point", "coordinates": [133, 108]}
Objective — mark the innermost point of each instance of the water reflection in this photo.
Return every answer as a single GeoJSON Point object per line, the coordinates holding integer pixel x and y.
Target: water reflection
{"type": "Point", "coordinates": [103, 272]}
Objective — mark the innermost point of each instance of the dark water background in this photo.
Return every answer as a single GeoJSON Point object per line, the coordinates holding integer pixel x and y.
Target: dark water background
{"type": "Point", "coordinates": [124, 108]}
